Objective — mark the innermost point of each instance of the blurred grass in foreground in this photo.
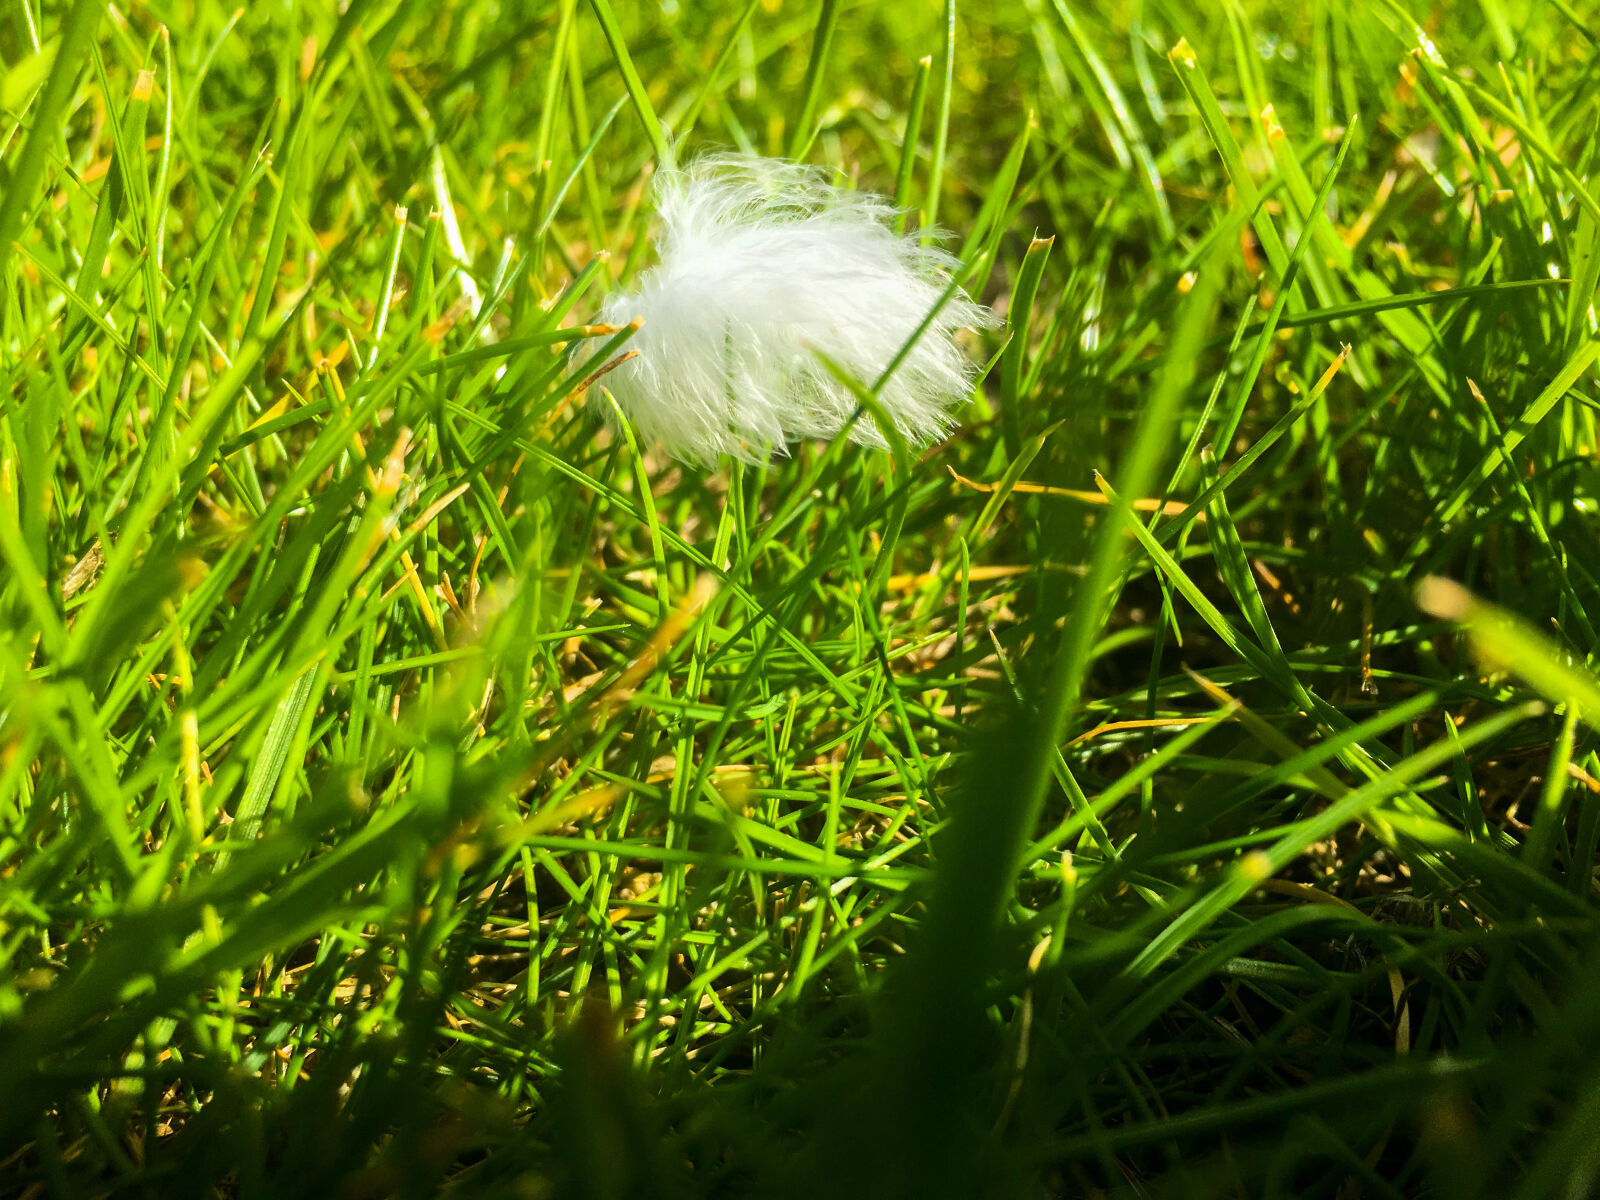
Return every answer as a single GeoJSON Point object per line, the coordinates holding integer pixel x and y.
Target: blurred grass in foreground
{"type": "Point", "coordinates": [1182, 782]}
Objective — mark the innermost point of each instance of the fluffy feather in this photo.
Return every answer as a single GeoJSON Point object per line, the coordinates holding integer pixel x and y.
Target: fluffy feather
{"type": "Point", "coordinates": [761, 263]}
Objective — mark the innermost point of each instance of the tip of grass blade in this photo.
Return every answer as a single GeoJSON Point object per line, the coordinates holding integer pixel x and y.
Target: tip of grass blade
{"type": "Point", "coordinates": [1444, 598]}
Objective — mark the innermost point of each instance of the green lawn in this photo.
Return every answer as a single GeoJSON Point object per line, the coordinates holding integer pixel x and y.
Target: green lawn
{"type": "Point", "coordinates": [1184, 781]}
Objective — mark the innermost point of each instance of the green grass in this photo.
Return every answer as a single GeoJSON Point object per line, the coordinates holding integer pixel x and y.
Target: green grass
{"type": "Point", "coordinates": [408, 785]}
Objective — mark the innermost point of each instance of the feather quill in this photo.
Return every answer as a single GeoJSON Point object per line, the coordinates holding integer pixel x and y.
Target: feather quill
{"type": "Point", "coordinates": [761, 263]}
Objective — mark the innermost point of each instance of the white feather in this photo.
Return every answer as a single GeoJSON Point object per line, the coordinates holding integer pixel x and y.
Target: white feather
{"type": "Point", "coordinates": [762, 263]}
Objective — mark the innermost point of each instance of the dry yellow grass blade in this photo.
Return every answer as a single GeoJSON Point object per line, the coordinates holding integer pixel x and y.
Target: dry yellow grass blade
{"type": "Point", "coordinates": [1154, 723]}
{"type": "Point", "coordinates": [1168, 508]}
